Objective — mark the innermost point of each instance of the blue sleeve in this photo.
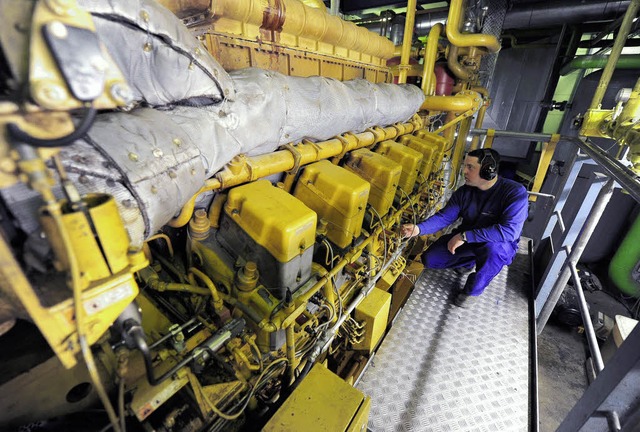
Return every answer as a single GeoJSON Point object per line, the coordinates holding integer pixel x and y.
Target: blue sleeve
{"type": "Point", "coordinates": [445, 217]}
{"type": "Point", "coordinates": [509, 227]}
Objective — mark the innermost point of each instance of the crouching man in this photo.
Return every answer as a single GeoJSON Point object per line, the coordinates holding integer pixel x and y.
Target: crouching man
{"type": "Point", "coordinates": [493, 210]}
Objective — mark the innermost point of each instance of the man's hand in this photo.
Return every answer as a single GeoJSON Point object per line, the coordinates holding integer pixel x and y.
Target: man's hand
{"type": "Point", "coordinates": [454, 243]}
{"type": "Point", "coordinates": [409, 230]}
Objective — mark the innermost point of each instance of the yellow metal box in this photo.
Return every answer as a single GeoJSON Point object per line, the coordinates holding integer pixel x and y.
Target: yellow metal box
{"type": "Point", "coordinates": [429, 151]}
{"type": "Point", "coordinates": [383, 175]}
{"type": "Point", "coordinates": [274, 219]}
{"type": "Point", "coordinates": [338, 196]}
{"type": "Point", "coordinates": [438, 142]}
{"type": "Point", "coordinates": [408, 158]}
{"type": "Point", "coordinates": [322, 402]}
{"type": "Point", "coordinates": [374, 311]}
{"type": "Point", "coordinates": [266, 225]}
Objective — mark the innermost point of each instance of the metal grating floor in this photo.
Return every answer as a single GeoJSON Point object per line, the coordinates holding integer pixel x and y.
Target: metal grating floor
{"type": "Point", "coordinates": [443, 368]}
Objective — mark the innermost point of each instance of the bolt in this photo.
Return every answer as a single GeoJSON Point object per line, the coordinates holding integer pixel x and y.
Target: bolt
{"type": "Point", "coordinates": [154, 190]}
{"type": "Point", "coordinates": [144, 15]}
{"type": "Point", "coordinates": [177, 142]}
{"type": "Point", "coordinates": [121, 93]}
{"type": "Point", "coordinates": [58, 30]}
{"type": "Point", "coordinates": [49, 94]}
{"type": "Point", "coordinates": [158, 153]}
{"type": "Point", "coordinates": [172, 174]}
{"type": "Point", "coordinates": [147, 47]}
{"type": "Point", "coordinates": [133, 157]}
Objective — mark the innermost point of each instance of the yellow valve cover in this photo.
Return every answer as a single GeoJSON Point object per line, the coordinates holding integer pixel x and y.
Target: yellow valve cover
{"type": "Point", "coordinates": [272, 218]}
{"type": "Point", "coordinates": [437, 141]}
{"type": "Point", "coordinates": [430, 149]}
{"type": "Point", "coordinates": [374, 311]}
{"type": "Point", "coordinates": [408, 158]}
{"type": "Point", "coordinates": [338, 196]}
{"type": "Point", "coordinates": [382, 173]}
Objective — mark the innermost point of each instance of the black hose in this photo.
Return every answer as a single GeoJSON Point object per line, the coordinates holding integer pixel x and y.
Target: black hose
{"type": "Point", "coordinates": [138, 336]}
{"type": "Point", "coordinates": [19, 135]}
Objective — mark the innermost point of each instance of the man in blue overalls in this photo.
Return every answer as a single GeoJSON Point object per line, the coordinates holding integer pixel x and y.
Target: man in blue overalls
{"type": "Point", "coordinates": [493, 210]}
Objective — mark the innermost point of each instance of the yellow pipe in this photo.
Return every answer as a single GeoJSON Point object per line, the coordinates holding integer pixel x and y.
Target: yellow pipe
{"type": "Point", "coordinates": [449, 134]}
{"type": "Point", "coordinates": [158, 285]}
{"type": "Point", "coordinates": [478, 125]}
{"type": "Point", "coordinates": [291, 352]}
{"type": "Point", "coordinates": [457, 103]}
{"type": "Point", "coordinates": [466, 40]}
{"type": "Point", "coordinates": [460, 71]}
{"type": "Point", "coordinates": [406, 41]}
{"type": "Point", "coordinates": [415, 51]}
{"type": "Point", "coordinates": [297, 19]}
{"type": "Point", "coordinates": [242, 358]}
{"type": "Point", "coordinates": [543, 165]}
{"type": "Point", "coordinates": [215, 295]}
{"type": "Point", "coordinates": [458, 151]}
{"type": "Point", "coordinates": [329, 294]}
{"type": "Point", "coordinates": [165, 238]}
{"type": "Point", "coordinates": [430, 57]}
{"type": "Point", "coordinates": [216, 209]}
{"type": "Point", "coordinates": [455, 121]}
{"type": "Point", "coordinates": [621, 39]}
{"type": "Point", "coordinates": [243, 169]}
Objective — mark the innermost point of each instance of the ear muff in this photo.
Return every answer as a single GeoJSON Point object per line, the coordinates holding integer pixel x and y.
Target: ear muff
{"type": "Point", "coordinates": [488, 166]}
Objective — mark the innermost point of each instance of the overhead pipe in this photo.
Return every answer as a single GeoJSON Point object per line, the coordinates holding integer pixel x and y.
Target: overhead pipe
{"type": "Point", "coordinates": [456, 13]}
{"type": "Point", "coordinates": [406, 41]}
{"type": "Point", "coordinates": [430, 57]}
{"type": "Point", "coordinates": [554, 13]}
{"type": "Point", "coordinates": [549, 13]}
{"type": "Point", "coordinates": [625, 61]}
{"type": "Point", "coordinates": [607, 73]}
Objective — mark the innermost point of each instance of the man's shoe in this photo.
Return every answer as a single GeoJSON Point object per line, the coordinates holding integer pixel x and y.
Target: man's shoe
{"type": "Point", "coordinates": [465, 300]}
{"type": "Point", "coordinates": [464, 271]}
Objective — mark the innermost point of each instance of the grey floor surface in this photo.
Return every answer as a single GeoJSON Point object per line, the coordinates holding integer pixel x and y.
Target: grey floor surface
{"type": "Point", "coordinates": [443, 368]}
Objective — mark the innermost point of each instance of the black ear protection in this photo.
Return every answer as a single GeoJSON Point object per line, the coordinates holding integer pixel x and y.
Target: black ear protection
{"type": "Point", "coordinates": [488, 165]}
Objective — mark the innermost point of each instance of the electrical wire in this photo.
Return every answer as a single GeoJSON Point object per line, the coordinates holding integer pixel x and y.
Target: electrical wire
{"type": "Point", "coordinates": [384, 237]}
{"type": "Point", "coordinates": [234, 416]}
{"type": "Point", "coordinates": [74, 271]}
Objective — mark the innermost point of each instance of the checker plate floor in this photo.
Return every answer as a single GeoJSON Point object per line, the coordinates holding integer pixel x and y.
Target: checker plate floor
{"type": "Point", "coordinates": [443, 368]}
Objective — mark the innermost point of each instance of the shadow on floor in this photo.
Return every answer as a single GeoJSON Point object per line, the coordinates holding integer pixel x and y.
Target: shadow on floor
{"type": "Point", "coordinates": [561, 373]}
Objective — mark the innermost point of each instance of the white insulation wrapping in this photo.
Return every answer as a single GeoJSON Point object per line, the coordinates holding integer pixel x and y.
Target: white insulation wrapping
{"type": "Point", "coordinates": [154, 159]}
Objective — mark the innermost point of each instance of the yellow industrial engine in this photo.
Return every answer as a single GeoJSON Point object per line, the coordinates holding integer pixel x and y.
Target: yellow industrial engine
{"type": "Point", "coordinates": [201, 207]}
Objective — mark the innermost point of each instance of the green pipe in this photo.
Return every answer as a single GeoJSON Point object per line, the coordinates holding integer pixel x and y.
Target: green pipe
{"type": "Point", "coordinates": [626, 61]}
{"type": "Point", "coordinates": [624, 262]}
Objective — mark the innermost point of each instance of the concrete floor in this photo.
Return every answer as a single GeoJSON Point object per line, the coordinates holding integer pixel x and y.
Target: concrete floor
{"type": "Point", "coordinates": [562, 377]}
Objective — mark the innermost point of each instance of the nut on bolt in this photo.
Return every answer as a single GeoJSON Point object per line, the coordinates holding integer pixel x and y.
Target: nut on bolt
{"type": "Point", "coordinates": [121, 93]}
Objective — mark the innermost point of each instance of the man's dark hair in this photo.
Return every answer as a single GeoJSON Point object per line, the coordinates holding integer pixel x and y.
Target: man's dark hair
{"type": "Point", "coordinates": [489, 160]}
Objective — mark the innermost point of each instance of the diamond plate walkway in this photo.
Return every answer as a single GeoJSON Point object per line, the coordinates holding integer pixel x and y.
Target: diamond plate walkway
{"type": "Point", "coordinates": [443, 368]}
